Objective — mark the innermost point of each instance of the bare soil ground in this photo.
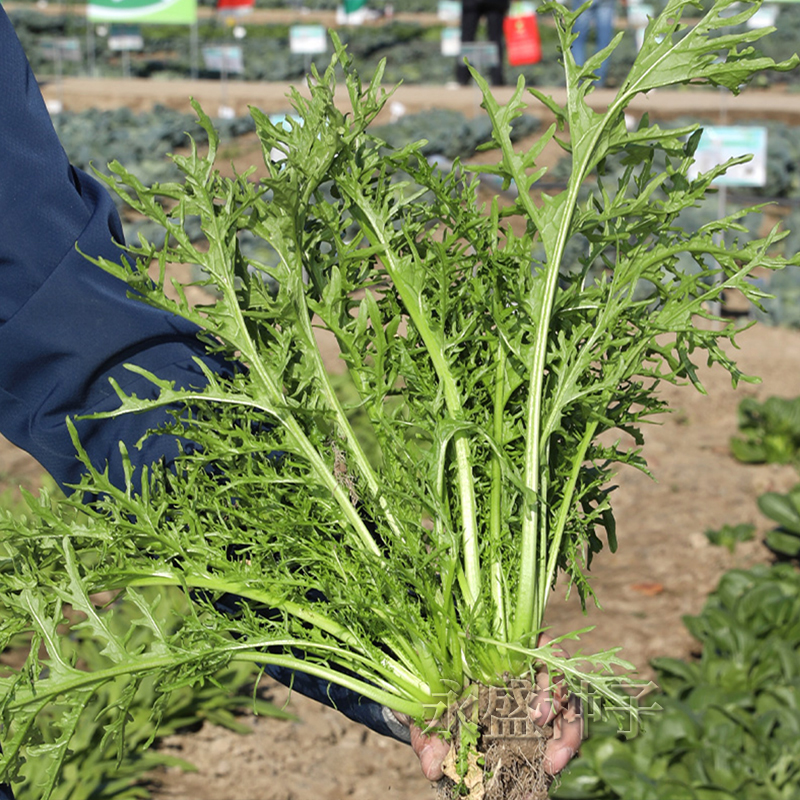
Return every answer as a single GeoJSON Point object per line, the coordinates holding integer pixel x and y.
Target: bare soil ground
{"type": "Point", "coordinates": [664, 568]}
{"type": "Point", "coordinates": [77, 93]}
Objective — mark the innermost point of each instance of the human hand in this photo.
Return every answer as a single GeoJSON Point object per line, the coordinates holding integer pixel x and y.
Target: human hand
{"type": "Point", "coordinates": [548, 707]}
{"type": "Point", "coordinates": [564, 712]}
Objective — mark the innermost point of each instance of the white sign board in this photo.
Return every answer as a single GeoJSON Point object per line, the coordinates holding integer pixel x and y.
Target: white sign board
{"type": "Point", "coordinates": [61, 49]}
{"type": "Point", "coordinates": [765, 17]}
{"type": "Point", "coordinates": [308, 39]}
{"type": "Point", "coordinates": [720, 143]}
{"type": "Point", "coordinates": [480, 54]}
{"type": "Point", "coordinates": [224, 58]}
{"type": "Point", "coordinates": [449, 10]}
{"type": "Point", "coordinates": [125, 37]}
{"type": "Point", "coordinates": [451, 41]}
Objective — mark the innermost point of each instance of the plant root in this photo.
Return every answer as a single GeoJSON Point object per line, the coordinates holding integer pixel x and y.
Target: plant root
{"type": "Point", "coordinates": [516, 770]}
{"type": "Point", "coordinates": [509, 761]}
{"type": "Point", "coordinates": [511, 772]}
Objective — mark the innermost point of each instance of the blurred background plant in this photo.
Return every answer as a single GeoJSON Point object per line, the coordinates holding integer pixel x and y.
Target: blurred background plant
{"type": "Point", "coordinates": [97, 770]}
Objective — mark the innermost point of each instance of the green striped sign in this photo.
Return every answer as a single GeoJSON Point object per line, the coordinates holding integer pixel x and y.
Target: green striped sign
{"type": "Point", "coordinates": [170, 12]}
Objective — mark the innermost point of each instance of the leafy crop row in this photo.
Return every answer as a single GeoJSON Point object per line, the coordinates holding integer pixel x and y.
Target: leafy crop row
{"type": "Point", "coordinates": [770, 433]}
{"type": "Point", "coordinates": [730, 725]}
{"type": "Point", "coordinates": [93, 138]}
{"type": "Point", "coordinates": [730, 721]}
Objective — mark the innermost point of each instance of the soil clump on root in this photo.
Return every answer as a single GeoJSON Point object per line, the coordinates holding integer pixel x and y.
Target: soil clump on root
{"type": "Point", "coordinates": [498, 750]}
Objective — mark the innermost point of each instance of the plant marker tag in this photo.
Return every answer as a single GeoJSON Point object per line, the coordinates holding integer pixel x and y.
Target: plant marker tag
{"type": "Point", "coordinates": [125, 37]}
{"type": "Point", "coordinates": [448, 10]}
{"type": "Point", "coordinates": [60, 49]}
{"type": "Point", "coordinates": [719, 143]}
{"type": "Point", "coordinates": [307, 39]}
{"type": "Point", "coordinates": [480, 54]}
{"type": "Point", "coordinates": [224, 58]}
{"type": "Point", "coordinates": [451, 42]}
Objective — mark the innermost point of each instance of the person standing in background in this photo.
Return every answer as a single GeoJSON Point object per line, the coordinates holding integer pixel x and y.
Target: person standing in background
{"type": "Point", "coordinates": [471, 13]}
{"type": "Point", "coordinates": [600, 16]}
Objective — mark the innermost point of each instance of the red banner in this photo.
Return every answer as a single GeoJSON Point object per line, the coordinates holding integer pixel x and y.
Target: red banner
{"type": "Point", "coordinates": [235, 5]}
{"type": "Point", "coordinates": [523, 44]}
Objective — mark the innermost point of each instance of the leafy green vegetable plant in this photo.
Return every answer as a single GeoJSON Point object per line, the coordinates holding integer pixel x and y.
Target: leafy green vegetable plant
{"type": "Point", "coordinates": [785, 510]}
{"type": "Point", "coordinates": [98, 766]}
{"type": "Point", "coordinates": [730, 720]}
{"type": "Point", "coordinates": [488, 377]}
{"type": "Point", "coordinates": [730, 535]}
{"type": "Point", "coordinates": [770, 431]}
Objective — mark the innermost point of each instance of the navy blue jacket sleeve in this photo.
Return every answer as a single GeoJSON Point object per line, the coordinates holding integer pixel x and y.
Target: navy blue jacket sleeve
{"type": "Point", "coordinates": [66, 326]}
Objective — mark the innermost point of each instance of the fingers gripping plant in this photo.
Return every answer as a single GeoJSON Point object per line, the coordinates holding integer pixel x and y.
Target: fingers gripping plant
{"type": "Point", "coordinates": [487, 371]}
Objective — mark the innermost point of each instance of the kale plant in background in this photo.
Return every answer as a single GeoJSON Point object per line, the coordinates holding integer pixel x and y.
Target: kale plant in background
{"type": "Point", "coordinates": [782, 307]}
{"type": "Point", "coordinates": [449, 133]}
{"type": "Point", "coordinates": [417, 574]}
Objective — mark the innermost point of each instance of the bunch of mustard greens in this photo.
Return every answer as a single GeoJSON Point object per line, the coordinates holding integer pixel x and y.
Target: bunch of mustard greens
{"type": "Point", "coordinates": [411, 570]}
